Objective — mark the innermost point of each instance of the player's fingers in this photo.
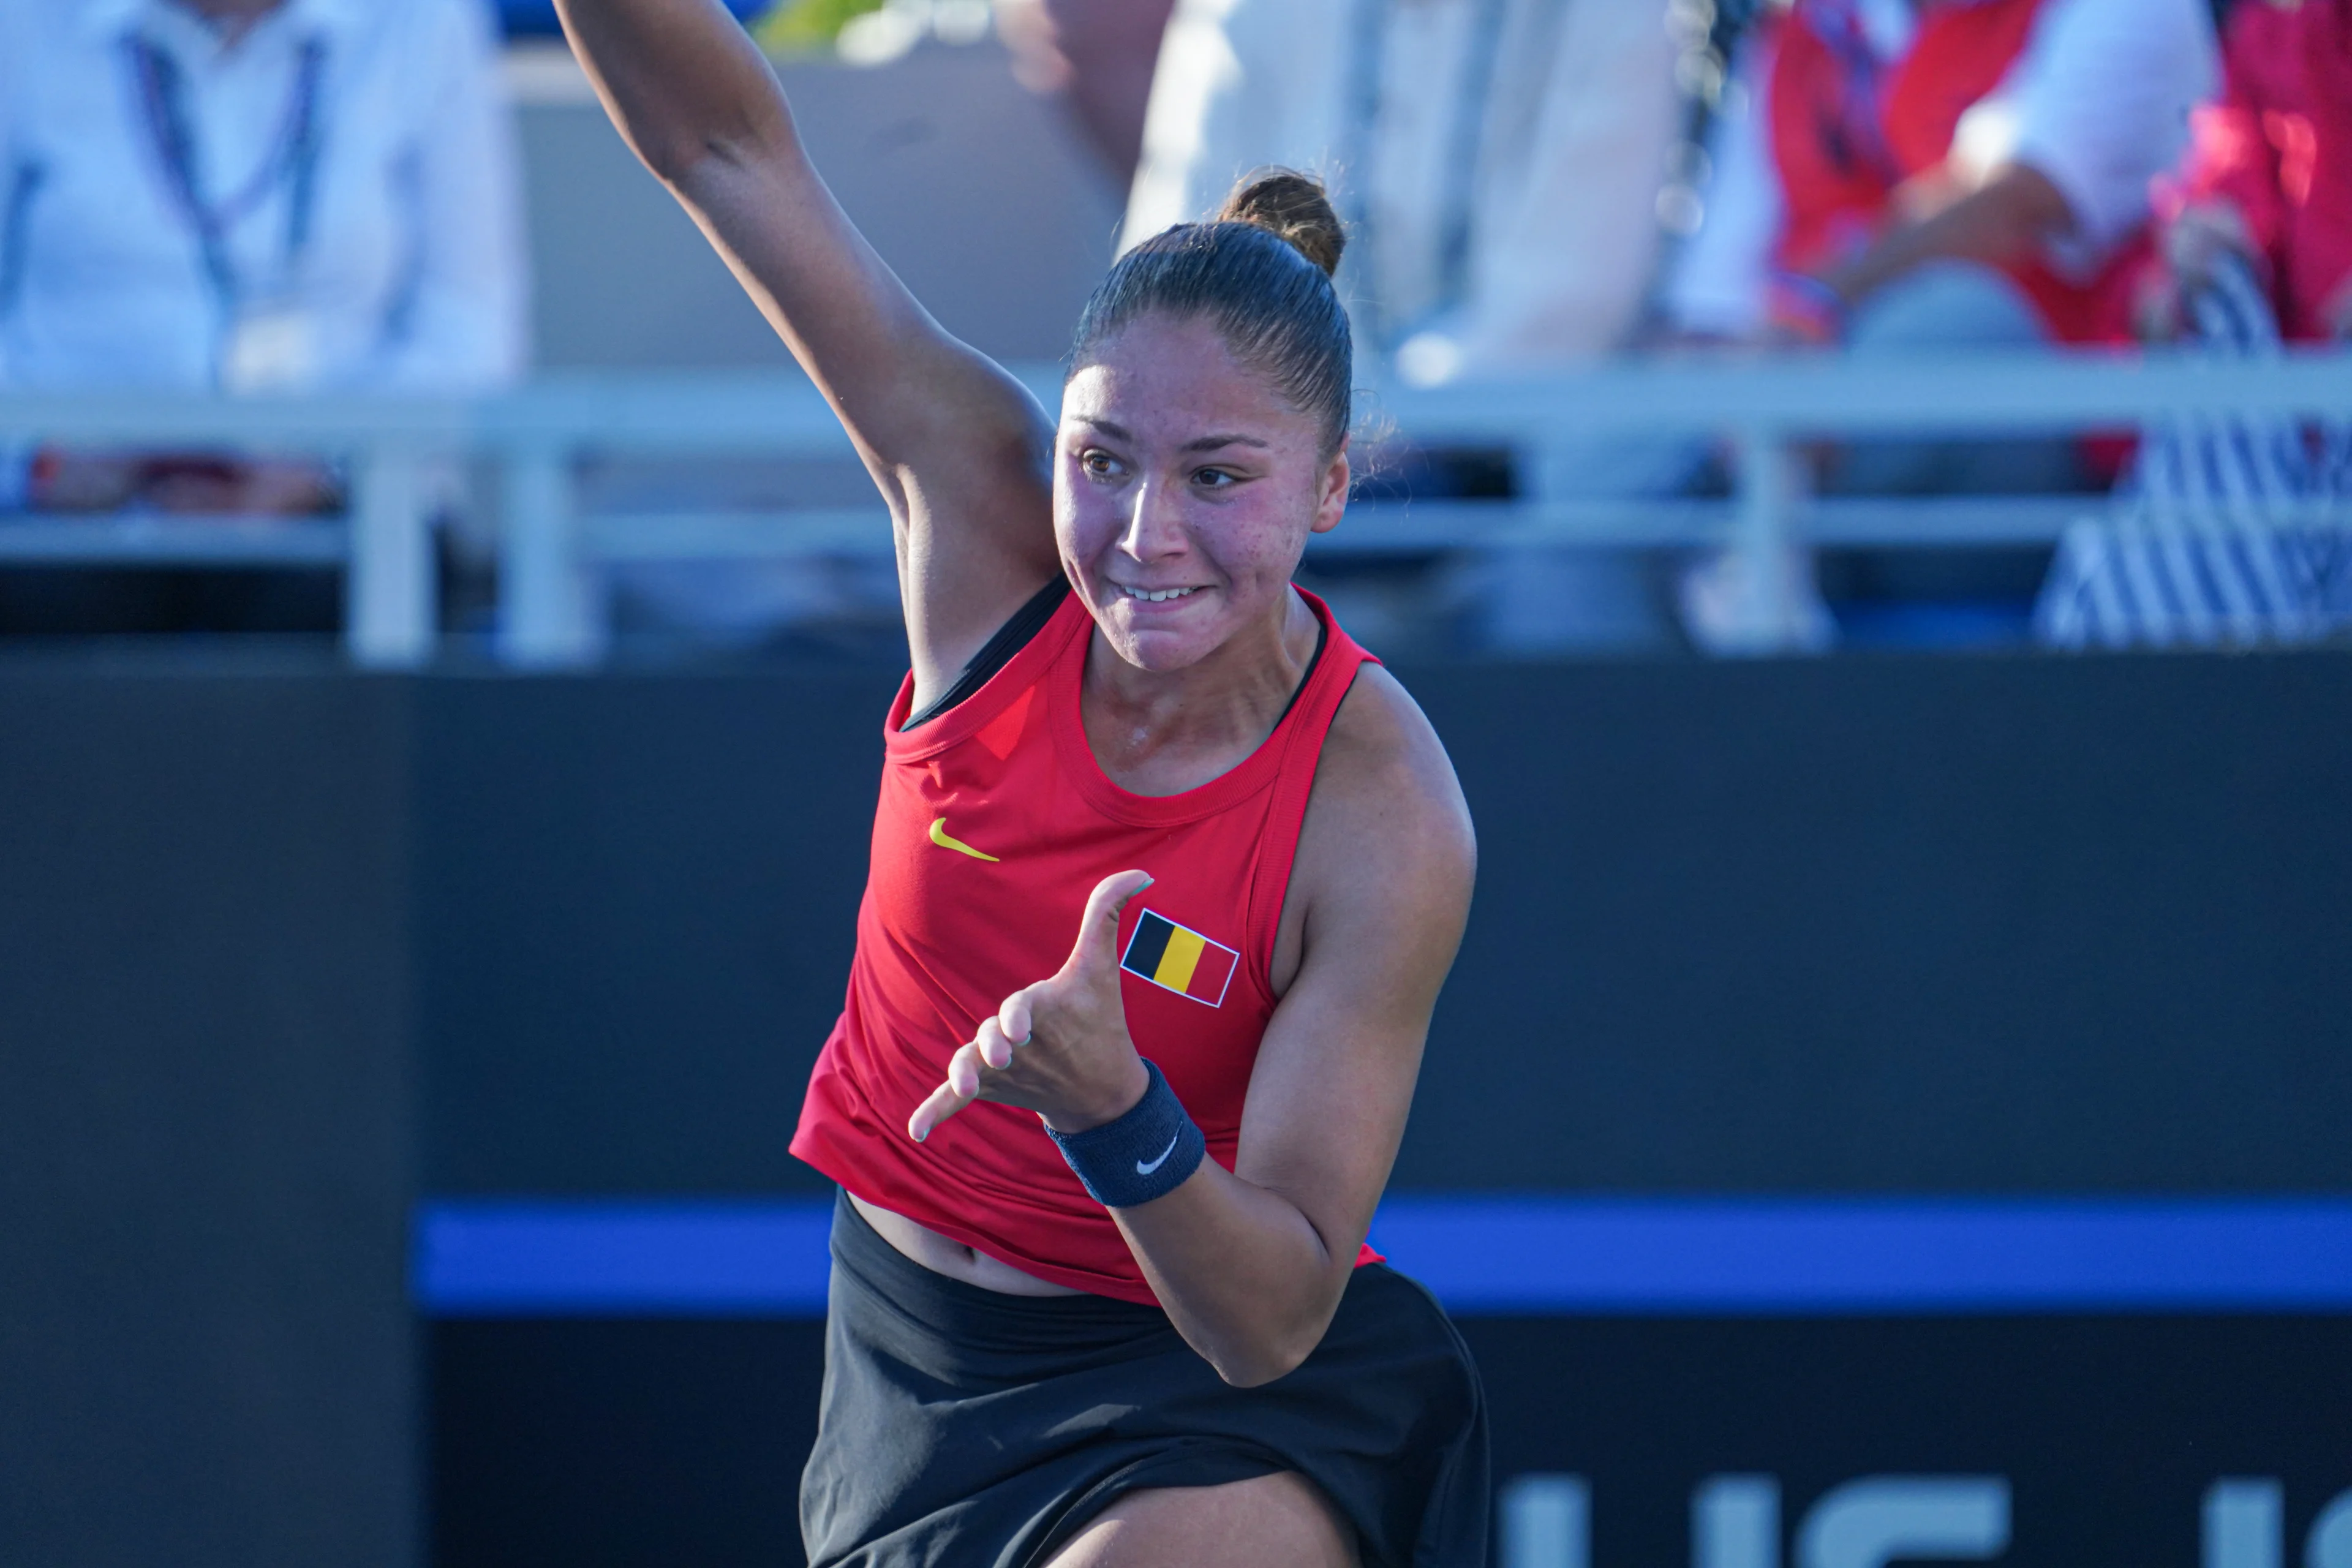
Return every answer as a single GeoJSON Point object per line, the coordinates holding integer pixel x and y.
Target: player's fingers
{"type": "Point", "coordinates": [963, 1072]}
{"type": "Point", "coordinates": [943, 1103]}
{"type": "Point", "coordinates": [1018, 1016]}
{"type": "Point", "coordinates": [994, 1048]}
{"type": "Point", "coordinates": [1097, 951]}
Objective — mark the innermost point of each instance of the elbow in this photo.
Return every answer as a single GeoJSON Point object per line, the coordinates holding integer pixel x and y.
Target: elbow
{"type": "Point", "coordinates": [690, 165]}
{"type": "Point", "coordinates": [1254, 1371]}
{"type": "Point", "coordinates": [1262, 1358]}
{"type": "Point", "coordinates": [700, 160]}
{"type": "Point", "coordinates": [721, 173]}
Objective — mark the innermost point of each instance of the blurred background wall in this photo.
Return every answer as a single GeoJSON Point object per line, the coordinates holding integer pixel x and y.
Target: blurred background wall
{"type": "Point", "coordinates": [209, 1108]}
{"type": "Point", "coordinates": [972, 188]}
{"type": "Point", "coordinates": [1900, 931]}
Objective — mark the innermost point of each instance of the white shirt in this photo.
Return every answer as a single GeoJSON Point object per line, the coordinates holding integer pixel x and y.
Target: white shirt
{"type": "Point", "coordinates": [2098, 101]}
{"type": "Point", "coordinates": [1566, 139]}
{"type": "Point", "coordinates": [413, 277]}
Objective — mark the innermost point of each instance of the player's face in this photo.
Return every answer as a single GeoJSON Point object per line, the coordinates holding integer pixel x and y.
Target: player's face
{"type": "Point", "coordinates": [1184, 488]}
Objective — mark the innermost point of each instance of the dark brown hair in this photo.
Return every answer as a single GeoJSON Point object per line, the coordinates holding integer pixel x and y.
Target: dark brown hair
{"type": "Point", "coordinates": [1261, 269]}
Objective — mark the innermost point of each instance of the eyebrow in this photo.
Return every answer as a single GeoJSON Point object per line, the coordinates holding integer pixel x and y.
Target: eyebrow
{"type": "Point", "coordinates": [1205, 444]}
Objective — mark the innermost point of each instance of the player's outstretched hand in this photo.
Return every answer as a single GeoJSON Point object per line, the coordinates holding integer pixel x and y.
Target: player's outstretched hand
{"type": "Point", "coordinates": [1059, 1048]}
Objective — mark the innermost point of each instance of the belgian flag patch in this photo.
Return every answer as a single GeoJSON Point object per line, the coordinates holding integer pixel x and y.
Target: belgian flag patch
{"type": "Point", "coordinates": [1179, 959]}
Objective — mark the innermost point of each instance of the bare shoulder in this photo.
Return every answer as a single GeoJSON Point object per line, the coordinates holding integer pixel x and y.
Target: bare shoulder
{"type": "Point", "coordinates": [1387, 854]}
{"type": "Point", "coordinates": [1383, 766]}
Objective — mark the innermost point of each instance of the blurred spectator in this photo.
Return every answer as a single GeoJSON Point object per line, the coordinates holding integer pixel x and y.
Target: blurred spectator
{"type": "Point", "coordinates": [2269, 178]}
{"type": "Point", "coordinates": [1499, 166]}
{"type": "Point", "coordinates": [1098, 56]}
{"type": "Point", "coordinates": [1499, 163]}
{"type": "Point", "coordinates": [1946, 172]}
{"type": "Point", "coordinates": [250, 195]}
{"type": "Point", "coordinates": [2211, 539]}
{"type": "Point", "coordinates": [1935, 175]}
{"type": "Point", "coordinates": [2210, 543]}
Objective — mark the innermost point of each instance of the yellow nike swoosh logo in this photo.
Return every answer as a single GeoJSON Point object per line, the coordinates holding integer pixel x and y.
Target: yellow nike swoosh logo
{"type": "Point", "coordinates": [939, 836]}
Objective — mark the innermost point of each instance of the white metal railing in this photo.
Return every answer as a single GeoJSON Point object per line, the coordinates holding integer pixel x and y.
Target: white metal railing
{"type": "Point", "coordinates": [550, 552]}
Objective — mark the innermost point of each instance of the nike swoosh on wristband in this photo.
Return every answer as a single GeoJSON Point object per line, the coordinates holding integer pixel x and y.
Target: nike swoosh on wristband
{"type": "Point", "coordinates": [1143, 1170]}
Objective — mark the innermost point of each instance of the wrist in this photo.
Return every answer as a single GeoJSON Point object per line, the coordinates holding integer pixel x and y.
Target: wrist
{"type": "Point", "coordinates": [1141, 1156]}
{"type": "Point", "coordinates": [1122, 1094]}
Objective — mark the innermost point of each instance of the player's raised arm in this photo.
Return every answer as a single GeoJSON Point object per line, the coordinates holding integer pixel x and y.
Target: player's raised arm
{"type": "Point", "coordinates": [960, 449]}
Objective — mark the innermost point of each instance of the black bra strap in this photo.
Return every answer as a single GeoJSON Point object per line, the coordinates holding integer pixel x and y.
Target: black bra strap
{"type": "Point", "coordinates": [997, 652]}
{"type": "Point", "coordinates": [1030, 619]}
{"type": "Point", "coordinates": [1322, 639]}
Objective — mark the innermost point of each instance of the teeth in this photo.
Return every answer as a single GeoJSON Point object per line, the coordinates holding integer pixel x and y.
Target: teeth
{"type": "Point", "coordinates": [1157, 596]}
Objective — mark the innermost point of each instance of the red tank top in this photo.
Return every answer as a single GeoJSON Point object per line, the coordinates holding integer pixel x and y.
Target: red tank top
{"type": "Point", "coordinates": [995, 824]}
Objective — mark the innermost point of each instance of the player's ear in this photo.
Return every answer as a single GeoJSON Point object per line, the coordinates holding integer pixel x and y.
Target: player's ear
{"type": "Point", "coordinates": [1331, 502]}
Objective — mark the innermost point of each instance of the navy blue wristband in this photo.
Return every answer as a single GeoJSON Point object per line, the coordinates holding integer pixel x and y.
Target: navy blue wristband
{"type": "Point", "coordinates": [1146, 1153]}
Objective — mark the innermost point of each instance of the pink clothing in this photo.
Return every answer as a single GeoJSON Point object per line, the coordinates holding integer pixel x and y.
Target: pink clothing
{"type": "Point", "coordinates": [2278, 147]}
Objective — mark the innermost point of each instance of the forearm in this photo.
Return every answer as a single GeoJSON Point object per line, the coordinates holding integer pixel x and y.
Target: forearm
{"type": "Point", "coordinates": [1246, 1276]}
{"type": "Point", "coordinates": [681, 80]}
{"type": "Point", "coordinates": [695, 98]}
{"type": "Point", "coordinates": [2000, 222]}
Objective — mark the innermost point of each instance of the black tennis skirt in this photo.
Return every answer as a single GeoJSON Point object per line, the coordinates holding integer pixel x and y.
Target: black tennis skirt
{"type": "Point", "coordinates": [963, 1426]}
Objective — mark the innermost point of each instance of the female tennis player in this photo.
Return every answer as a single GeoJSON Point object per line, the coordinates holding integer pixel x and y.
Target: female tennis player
{"type": "Point", "coordinates": [1166, 876]}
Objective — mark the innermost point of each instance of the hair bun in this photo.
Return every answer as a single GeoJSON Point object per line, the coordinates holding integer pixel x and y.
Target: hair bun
{"type": "Point", "coordinates": [1294, 207]}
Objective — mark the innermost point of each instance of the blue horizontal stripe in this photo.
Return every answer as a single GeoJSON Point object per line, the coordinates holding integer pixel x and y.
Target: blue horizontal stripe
{"type": "Point", "coordinates": [1496, 1256]}
{"type": "Point", "coordinates": [623, 1258]}
{"type": "Point", "coordinates": [1765, 1257]}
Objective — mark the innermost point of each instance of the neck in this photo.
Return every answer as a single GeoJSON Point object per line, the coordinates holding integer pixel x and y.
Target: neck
{"type": "Point", "coordinates": [1160, 732]}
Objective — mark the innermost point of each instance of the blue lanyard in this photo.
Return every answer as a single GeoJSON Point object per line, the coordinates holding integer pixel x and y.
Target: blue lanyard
{"type": "Point", "coordinates": [1369, 62]}
{"type": "Point", "coordinates": [293, 160]}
